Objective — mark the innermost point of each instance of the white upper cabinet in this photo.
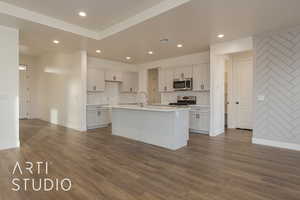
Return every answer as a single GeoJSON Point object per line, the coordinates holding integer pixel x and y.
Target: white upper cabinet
{"type": "Point", "coordinates": [166, 78]}
{"type": "Point", "coordinates": [95, 80]}
{"type": "Point", "coordinates": [183, 73]}
{"type": "Point", "coordinates": [201, 77]}
{"type": "Point", "coordinates": [130, 82]}
{"type": "Point", "coordinates": [113, 76]}
{"type": "Point", "coordinates": [200, 74]}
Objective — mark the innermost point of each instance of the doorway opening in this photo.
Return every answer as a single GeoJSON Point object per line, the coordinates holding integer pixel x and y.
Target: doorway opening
{"type": "Point", "coordinates": [154, 96]}
{"type": "Point", "coordinates": [239, 90]}
{"type": "Point", "coordinates": [24, 92]}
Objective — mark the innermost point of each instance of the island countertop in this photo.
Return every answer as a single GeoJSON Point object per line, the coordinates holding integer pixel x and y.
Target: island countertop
{"type": "Point", "coordinates": [152, 108]}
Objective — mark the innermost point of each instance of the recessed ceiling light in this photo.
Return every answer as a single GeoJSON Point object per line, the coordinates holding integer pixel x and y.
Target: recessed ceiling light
{"type": "Point", "coordinates": [150, 52]}
{"type": "Point", "coordinates": [179, 45]}
{"type": "Point", "coordinates": [82, 14]}
{"type": "Point", "coordinates": [221, 36]}
{"type": "Point", "coordinates": [98, 51]}
{"type": "Point", "coordinates": [55, 41]}
{"type": "Point", "coordinates": [128, 58]}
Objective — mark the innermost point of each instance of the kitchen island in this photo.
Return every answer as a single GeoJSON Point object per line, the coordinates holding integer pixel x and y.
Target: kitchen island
{"type": "Point", "coordinates": [162, 126]}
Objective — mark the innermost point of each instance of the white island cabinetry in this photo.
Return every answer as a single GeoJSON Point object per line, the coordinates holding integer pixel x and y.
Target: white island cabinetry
{"type": "Point", "coordinates": [166, 127]}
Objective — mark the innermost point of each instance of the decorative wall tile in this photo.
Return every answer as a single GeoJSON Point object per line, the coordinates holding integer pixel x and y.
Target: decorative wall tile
{"type": "Point", "coordinates": [277, 77]}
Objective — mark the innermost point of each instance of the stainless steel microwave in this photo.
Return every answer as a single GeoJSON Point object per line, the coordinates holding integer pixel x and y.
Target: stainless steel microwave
{"type": "Point", "coordinates": [185, 84]}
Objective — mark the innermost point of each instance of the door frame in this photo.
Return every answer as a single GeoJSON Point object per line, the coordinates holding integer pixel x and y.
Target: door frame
{"type": "Point", "coordinates": [217, 83]}
{"type": "Point", "coordinates": [232, 89]}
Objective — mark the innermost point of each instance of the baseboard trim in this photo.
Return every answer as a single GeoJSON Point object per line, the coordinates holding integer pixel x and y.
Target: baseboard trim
{"type": "Point", "coordinates": [198, 131]}
{"type": "Point", "coordinates": [277, 144]}
{"type": "Point", "coordinates": [12, 146]}
{"type": "Point", "coordinates": [97, 126]}
{"type": "Point", "coordinates": [217, 132]}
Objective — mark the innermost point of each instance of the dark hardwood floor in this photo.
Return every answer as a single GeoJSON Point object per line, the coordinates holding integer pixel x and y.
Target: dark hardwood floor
{"type": "Point", "coordinates": [102, 166]}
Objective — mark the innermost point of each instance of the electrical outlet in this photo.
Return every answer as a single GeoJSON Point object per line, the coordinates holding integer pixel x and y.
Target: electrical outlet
{"type": "Point", "coordinates": [260, 97]}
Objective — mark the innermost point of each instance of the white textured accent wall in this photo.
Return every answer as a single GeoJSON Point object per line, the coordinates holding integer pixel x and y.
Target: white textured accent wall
{"type": "Point", "coordinates": [277, 78]}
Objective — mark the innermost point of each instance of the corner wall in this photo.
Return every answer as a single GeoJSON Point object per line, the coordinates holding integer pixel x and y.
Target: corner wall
{"type": "Point", "coordinates": [61, 94]}
{"type": "Point", "coordinates": [277, 88]}
{"type": "Point", "coordinates": [9, 88]}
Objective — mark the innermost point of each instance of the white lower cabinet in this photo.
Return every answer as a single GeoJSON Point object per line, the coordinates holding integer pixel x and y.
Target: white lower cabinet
{"type": "Point", "coordinates": [98, 117]}
{"type": "Point", "coordinates": [199, 121]}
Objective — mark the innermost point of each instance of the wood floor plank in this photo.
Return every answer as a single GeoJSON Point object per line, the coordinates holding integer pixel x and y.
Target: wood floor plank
{"type": "Point", "coordinates": [102, 166]}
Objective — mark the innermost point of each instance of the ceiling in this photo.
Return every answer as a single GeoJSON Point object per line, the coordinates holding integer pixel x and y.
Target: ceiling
{"type": "Point", "coordinates": [194, 23]}
{"type": "Point", "coordinates": [101, 13]}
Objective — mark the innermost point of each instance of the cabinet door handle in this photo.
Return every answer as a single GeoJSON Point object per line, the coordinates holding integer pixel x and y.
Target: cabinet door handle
{"type": "Point", "coordinates": [202, 86]}
{"type": "Point", "coordinates": [237, 102]}
{"type": "Point", "coordinates": [130, 89]}
{"type": "Point", "coordinates": [114, 78]}
{"type": "Point", "coordinates": [165, 88]}
{"type": "Point", "coordinates": [95, 88]}
{"type": "Point", "coordinates": [99, 113]}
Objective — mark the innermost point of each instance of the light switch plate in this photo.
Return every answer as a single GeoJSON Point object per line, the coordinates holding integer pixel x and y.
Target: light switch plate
{"type": "Point", "coordinates": [260, 97]}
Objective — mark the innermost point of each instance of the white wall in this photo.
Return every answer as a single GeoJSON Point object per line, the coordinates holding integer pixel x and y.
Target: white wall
{"type": "Point", "coordinates": [112, 65]}
{"type": "Point", "coordinates": [61, 93]}
{"type": "Point", "coordinates": [187, 60]}
{"type": "Point", "coordinates": [112, 94]}
{"type": "Point", "coordinates": [9, 86]}
{"type": "Point", "coordinates": [277, 80]}
{"type": "Point", "coordinates": [217, 70]}
{"type": "Point", "coordinates": [202, 57]}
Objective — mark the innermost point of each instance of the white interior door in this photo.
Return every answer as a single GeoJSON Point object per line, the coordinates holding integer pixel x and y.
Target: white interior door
{"type": "Point", "coordinates": [24, 94]}
{"type": "Point", "coordinates": [244, 91]}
